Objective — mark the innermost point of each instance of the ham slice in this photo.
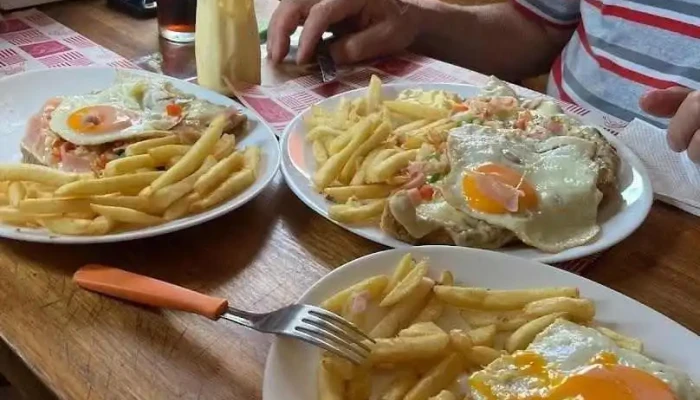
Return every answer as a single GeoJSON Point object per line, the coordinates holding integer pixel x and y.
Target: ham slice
{"type": "Point", "coordinates": [507, 196]}
{"type": "Point", "coordinates": [360, 301]}
{"type": "Point", "coordinates": [72, 163]}
{"type": "Point", "coordinates": [37, 131]}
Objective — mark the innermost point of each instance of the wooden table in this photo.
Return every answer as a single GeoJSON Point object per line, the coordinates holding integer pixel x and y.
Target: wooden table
{"type": "Point", "coordinates": [60, 341]}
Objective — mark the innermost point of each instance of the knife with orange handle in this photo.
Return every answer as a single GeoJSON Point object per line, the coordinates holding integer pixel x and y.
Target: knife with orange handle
{"type": "Point", "coordinates": [311, 324]}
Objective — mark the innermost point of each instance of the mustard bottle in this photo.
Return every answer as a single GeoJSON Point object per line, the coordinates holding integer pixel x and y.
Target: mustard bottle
{"type": "Point", "coordinates": [227, 45]}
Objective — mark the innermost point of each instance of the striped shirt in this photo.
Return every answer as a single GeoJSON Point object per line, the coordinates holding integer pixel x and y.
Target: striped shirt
{"type": "Point", "coordinates": [621, 49]}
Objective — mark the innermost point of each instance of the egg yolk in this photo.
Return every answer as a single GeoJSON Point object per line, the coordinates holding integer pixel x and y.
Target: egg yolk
{"type": "Point", "coordinates": [604, 379]}
{"type": "Point", "coordinates": [99, 119]}
{"type": "Point", "coordinates": [612, 382]}
{"type": "Point", "coordinates": [497, 189]}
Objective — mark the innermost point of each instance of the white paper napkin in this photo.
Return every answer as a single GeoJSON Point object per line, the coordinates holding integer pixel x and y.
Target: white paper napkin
{"type": "Point", "coordinates": [675, 178]}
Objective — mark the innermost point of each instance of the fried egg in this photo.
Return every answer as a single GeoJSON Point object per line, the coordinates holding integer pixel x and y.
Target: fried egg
{"type": "Point", "coordinates": [123, 111]}
{"type": "Point", "coordinates": [544, 191]}
{"type": "Point", "coordinates": [572, 362]}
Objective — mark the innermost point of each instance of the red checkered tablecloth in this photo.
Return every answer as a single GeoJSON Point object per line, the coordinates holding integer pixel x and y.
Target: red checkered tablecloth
{"type": "Point", "coordinates": [30, 40]}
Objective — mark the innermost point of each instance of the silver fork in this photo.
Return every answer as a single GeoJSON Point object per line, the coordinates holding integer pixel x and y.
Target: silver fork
{"type": "Point", "coordinates": [311, 324]}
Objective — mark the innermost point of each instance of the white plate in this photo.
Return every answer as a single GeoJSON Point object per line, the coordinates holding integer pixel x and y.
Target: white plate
{"type": "Point", "coordinates": [290, 371]}
{"type": "Point", "coordinates": [23, 95]}
{"type": "Point", "coordinates": [617, 221]}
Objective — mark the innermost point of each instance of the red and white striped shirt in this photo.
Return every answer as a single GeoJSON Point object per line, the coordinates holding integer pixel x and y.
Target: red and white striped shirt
{"type": "Point", "coordinates": [620, 50]}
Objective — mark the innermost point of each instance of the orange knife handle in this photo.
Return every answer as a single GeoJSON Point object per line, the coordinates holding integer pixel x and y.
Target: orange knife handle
{"type": "Point", "coordinates": [147, 291]}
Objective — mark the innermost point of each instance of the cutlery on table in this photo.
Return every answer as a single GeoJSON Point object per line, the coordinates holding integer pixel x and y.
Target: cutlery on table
{"type": "Point", "coordinates": [311, 324]}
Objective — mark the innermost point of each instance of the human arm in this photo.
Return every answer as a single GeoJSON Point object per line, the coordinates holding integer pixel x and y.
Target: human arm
{"type": "Point", "coordinates": [495, 39]}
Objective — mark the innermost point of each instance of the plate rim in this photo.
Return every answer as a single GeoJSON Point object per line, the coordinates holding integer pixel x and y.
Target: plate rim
{"type": "Point", "coordinates": [631, 159]}
{"type": "Point", "coordinates": [514, 260]}
{"type": "Point", "coordinates": [19, 234]}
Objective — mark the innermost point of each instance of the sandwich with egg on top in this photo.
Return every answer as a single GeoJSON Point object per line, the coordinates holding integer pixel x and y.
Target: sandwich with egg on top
{"type": "Point", "coordinates": [82, 133]}
{"type": "Point", "coordinates": [514, 169]}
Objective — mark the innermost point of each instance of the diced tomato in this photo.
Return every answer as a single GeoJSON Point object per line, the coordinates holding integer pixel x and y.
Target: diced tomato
{"type": "Point", "coordinates": [460, 107]}
{"type": "Point", "coordinates": [523, 119]}
{"type": "Point", "coordinates": [173, 110]}
{"type": "Point", "coordinates": [555, 126]}
{"type": "Point", "coordinates": [101, 161]}
{"type": "Point", "coordinates": [426, 192]}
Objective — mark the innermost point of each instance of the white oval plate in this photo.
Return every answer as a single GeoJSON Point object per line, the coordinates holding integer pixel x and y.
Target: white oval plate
{"type": "Point", "coordinates": [23, 95]}
{"type": "Point", "coordinates": [290, 370]}
{"type": "Point", "coordinates": [617, 221]}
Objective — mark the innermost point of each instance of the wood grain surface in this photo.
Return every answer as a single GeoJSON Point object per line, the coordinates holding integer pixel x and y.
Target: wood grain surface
{"type": "Point", "coordinates": [79, 345]}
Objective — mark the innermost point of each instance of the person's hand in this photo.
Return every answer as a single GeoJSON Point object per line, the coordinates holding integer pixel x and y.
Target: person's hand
{"type": "Point", "coordinates": [682, 105]}
{"type": "Point", "coordinates": [372, 28]}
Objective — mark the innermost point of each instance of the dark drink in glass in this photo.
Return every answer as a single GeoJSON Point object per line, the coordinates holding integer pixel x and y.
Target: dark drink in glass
{"type": "Point", "coordinates": [176, 19]}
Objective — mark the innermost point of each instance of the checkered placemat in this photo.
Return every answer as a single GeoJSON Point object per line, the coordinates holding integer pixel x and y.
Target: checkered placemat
{"type": "Point", "coordinates": [279, 103]}
{"type": "Point", "coordinates": [30, 40]}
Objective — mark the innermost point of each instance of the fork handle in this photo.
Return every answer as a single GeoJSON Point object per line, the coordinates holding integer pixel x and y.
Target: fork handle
{"type": "Point", "coordinates": [147, 291]}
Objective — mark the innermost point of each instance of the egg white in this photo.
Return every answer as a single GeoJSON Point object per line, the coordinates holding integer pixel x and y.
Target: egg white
{"type": "Point", "coordinates": [145, 101]}
{"type": "Point", "coordinates": [568, 348]}
{"type": "Point", "coordinates": [559, 168]}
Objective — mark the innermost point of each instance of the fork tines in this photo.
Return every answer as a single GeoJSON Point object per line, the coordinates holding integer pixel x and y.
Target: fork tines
{"type": "Point", "coordinates": [327, 330]}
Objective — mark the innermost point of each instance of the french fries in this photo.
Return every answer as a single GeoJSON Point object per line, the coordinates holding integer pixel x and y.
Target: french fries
{"type": "Point", "coordinates": [406, 286]}
{"type": "Point", "coordinates": [390, 166]}
{"type": "Point", "coordinates": [406, 264]}
{"type": "Point", "coordinates": [129, 193]}
{"type": "Point", "coordinates": [54, 205]}
{"type": "Point", "coordinates": [424, 356]}
{"type": "Point", "coordinates": [503, 321]}
{"type": "Point", "coordinates": [438, 378]}
{"type": "Point", "coordinates": [224, 147]}
{"type": "Point", "coordinates": [434, 308]}
{"type": "Point", "coordinates": [143, 146]}
{"type": "Point", "coordinates": [374, 287]}
{"type": "Point", "coordinates": [235, 184]}
{"type": "Point", "coordinates": [364, 150]}
{"type": "Point", "coordinates": [626, 342]}
{"type": "Point", "coordinates": [444, 395]}
{"type": "Point", "coordinates": [522, 337]}
{"type": "Point", "coordinates": [194, 157]}
{"type": "Point", "coordinates": [127, 215]}
{"type": "Point", "coordinates": [579, 310]}
{"type": "Point", "coordinates": [78, 226]}
{"type": "Point", "coordinates": [125, 165]}
{"type": "Point", "coordinates": [206, 182]}
{"type": "Point", "coordinates": [341, 194]}
{"type": "Point", "coordinates": [481, 298]}
{"type": "Point", "coordinates": [354, 213]}
{"type": "Point", "coordinates": [483, 336]}
{"type": "Point", "coordinates": [404, 311]}
{"type": "Point", "coordinates": [113, 184]}
{"type": "Point", "coordinates": [402, 383]}
{"type": "Point", "coordinates": [16, 192]}
{"type": "Point", "coordinates": [416, 110]}
{"type": "Point", "coordinates": [330, 385]}
{"type": "Point", "coordinates": [408, 348]}
{"type": "Point", "coordinates": [330, 170]}
{"type": "Point", "coordinates": [35, 173]}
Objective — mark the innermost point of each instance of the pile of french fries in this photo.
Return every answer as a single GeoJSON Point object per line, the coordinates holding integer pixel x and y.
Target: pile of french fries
{"type": "Point", "coordinates": [158, 180]}
{"type": "Point", "coordinates": [362, 148]}
{"type": "Point", "coordinates": [404, 312]}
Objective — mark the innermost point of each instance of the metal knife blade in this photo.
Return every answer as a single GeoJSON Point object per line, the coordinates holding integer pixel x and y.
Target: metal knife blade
{"type": "Point", "coordinates": [325, 62]}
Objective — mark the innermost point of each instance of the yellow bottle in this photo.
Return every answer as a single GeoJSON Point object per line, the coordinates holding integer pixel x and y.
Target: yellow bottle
{"type": "Point", "coordinates": [227, 43]}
